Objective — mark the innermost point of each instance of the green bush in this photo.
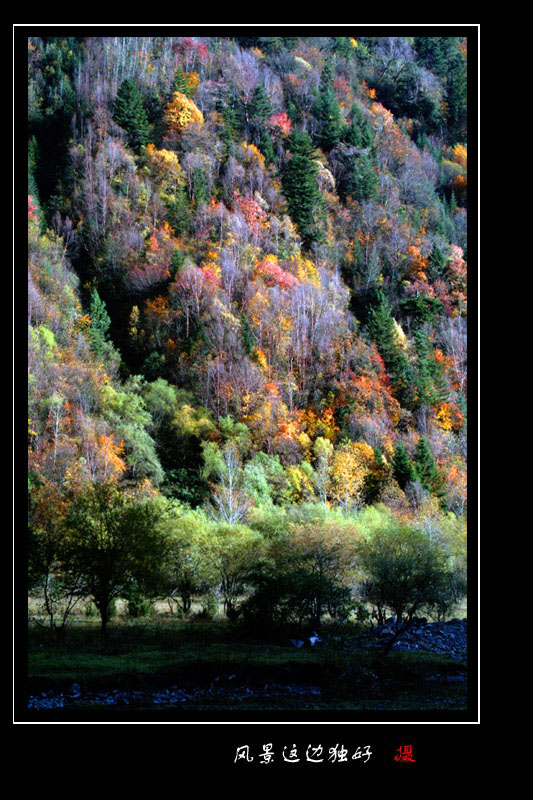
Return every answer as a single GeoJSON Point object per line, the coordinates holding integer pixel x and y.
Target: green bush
{"type": "Point", "coordinates": [138, 604]}
{"type": "Point", "coordinates": [90, 610]}
{"type": "Point", "coordinates": [209, 609]}
{"type": "Point", "coordinates": [294, 598]}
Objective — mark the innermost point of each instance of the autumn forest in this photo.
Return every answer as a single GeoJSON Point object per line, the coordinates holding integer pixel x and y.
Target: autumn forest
{"type": "Point", "coordinates": [247, 338]}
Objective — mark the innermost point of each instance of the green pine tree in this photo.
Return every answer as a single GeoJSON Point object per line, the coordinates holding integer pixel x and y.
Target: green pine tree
{"type": "Point", "coordinates": [402, 468]}
{"type": "Point", "coordinates": [456, 98]}
{"type": "Point", "coordinates": [437, 264]}
{"type": "Point", "coordinates": [300, 186]}
{"type": "Point", "coordinates": [425, 369]}
{"type": "Point", "coordinates": [359, 179]}
{"type": "Point", "coordinates": [358, 132]}
{"type": "Point", "coordinates": [179, 83]}
{"type": "Point", "coordinates": [426, 470]}
{"type": "Point", "coordinates": [130, 114]}
{"type": "Point", "coordinates": [381, 329]}
{"type": "Point", "coordinates": [247, 335]}
{"type": "Point", "coordinates": [267, 146]}
{"type": "Point", "coordinates": [328, 112]}
{"type": "Point", "coordinates": [100, 323]}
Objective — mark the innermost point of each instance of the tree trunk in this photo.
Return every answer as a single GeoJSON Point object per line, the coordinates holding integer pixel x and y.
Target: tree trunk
{"type": "Point", "coordinates": [104, 614]}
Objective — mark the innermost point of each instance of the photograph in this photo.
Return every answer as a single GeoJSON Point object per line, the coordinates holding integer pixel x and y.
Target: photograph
{"type": "Point", "coordinates": [247, 456]}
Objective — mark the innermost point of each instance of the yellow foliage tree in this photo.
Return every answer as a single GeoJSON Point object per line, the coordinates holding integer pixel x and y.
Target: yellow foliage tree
{"type": "Point", "coordinates": [351, 464]}
{"type": "Point", "coordinates": [181, 112]}
{"type": "Point", "coordinates": [164, 168]}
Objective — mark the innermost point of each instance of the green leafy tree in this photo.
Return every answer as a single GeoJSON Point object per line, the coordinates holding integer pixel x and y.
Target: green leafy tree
{"type": "Point", "coordinates": [186, 568]}
{"type": "Point", "coordinates": [232, 551]}
{"type": "Point", "coordinates": [404, 571]}
{"type": "Point", "coordinates": [376, 478]}
{"type": "Point", "coordinates": [304, 574]}
{"type": "Point", "coordinates": [113, 541]}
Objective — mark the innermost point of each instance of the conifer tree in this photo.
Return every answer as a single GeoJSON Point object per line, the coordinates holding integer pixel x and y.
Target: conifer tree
{"type": "Point", "coordinates": [401, 466]}
{"type": "Point", "coordinates": [358, 132]}
{"type": "Point", "coordinates": [130, 114]}
{"type": "Point", "coordinates": [300, 186]}
{"type": "Point", "coordinates": [266, 146]}
{"type": "Point", "coordinates": [437, 264]}
{"type": "Point", "coordinates": [456, 95]}
{"type": "Point", "coordinates": [260, 105]}
{"type": "Point", "coordinates": [328, 112]}
{"type": "Point", "coordinates": [359, 179]}
{"type": "Point", "coordinates": [100, 323]}
{"type": "Point", "coordinates": [247, 336]}
{"type": "Point", "coordinates": [179, 83]}
{"type": "Point", "coordinates": [426, 470]}
{"type": "Point", "coordinates": [257, 112]}
{"type": "Point", "coordinates": [382, 331]}
{"type": "Point", "coordinates": [424, 377]}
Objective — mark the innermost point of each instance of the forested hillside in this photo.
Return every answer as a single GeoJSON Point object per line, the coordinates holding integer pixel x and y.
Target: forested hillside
{"type": "Point", "coordinates": [247, 294]}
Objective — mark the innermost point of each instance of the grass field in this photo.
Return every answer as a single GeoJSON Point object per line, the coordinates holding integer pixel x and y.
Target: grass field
{"type": "Point", "coordinates": [140, 656]}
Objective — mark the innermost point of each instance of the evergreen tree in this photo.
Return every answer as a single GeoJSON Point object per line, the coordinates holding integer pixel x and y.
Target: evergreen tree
{"type": "Point", "coordinates": [257, 112]}
{"type": "Point", "coordinates": [300, 186]}
{"type": "Point", "coordinates": [425, 371]}
{"type": "Point", "coordinates": [247, 335]}
{"type": "Point", "coordinates": [343, 46]}
{"type": "Point", "coordinates": [381, 329]}
{"type": "Point", "coordinates": [328, 112]}
{"type": "Point", "coordinates": [426, 470]}
{"type": "Point", "coordinates": [435, 52]}
{"type": "Point", "coordinates": [230, 133]}
{"type": "Point", "coordinates": [358, 133]}
{"type": "Point", "coordinates": [267, 146]}
{"type": "Point", "coordinates": [130, 114]}
{"type": "Point", "coordinates": [358, 179]}
{"type": "Point", "coordinates": [98, 329]}
{"type": "Point", "coordinates": [179, 83]}
{"type": "Point", "coordinates": [421, 309]}
{"type": "Point", "coordinates": [437, 264]}
{"type": "Point", "coordinates": [260, 104]}
{"type": "Point", "coordinates": [200, 192]}
{"type": "Point", "coordinates": [401, 465]}
{"type": "Point", "coordinates": [176, 262]}
{"type": "Point", "coordinates": [179, 214]}
{"type": "Point", "coordinates": [455, 97]}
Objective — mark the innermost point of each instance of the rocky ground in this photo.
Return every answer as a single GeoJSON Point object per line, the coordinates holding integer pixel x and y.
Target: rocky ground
{"type": "Point", "coordinates": [437, 637]}
{"type": "Point", "coordinates": [119, 698]}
